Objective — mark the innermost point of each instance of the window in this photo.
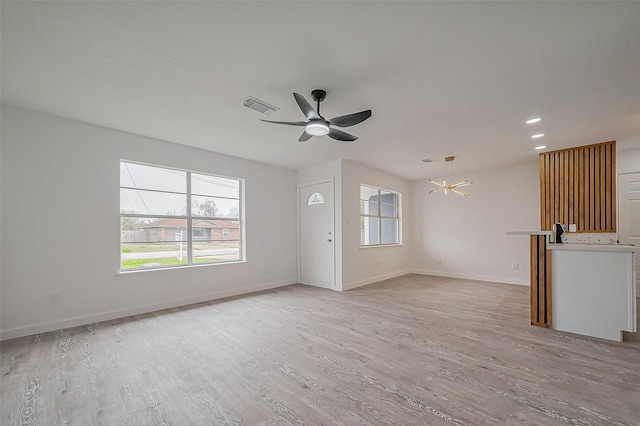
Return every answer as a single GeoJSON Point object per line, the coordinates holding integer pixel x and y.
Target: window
{"type": "Point", "coordinates": [172, 217]}
{"type": "Point", "coordinates": [379, 216]}
{"type": "Point", "coordinates": [315, 198]}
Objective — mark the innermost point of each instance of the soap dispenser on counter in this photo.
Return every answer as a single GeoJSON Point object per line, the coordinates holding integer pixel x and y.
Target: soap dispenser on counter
{"type": "Point", "coordinates": [558, 230]}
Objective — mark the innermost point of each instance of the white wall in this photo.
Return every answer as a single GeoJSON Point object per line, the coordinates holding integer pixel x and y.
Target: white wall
{"type": "Point", "coordinates": [467, 235]}
{"type": "Point", "coordinates": [367, 265]}
{"type": "Point", "coordinates": [60, 226]}
{"type": "Point", "coordinates": [628, 161]}
{"type": "Point", "coordinates": [628, 154]}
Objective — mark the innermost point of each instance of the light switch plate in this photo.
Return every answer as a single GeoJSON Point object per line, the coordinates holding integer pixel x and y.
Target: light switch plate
{"type": "Point", "coordinates": [572, 227]}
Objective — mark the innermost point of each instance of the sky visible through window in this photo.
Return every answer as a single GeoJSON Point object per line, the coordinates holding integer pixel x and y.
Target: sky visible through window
{"type": "Point", "coordinates": [142, 185]}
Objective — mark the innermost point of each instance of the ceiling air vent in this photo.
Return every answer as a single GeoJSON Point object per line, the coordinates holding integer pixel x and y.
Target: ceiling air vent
{"type": "Point", "coordinates": [427, 160]}
{"type": "Point", "coordinates": [258, 105]}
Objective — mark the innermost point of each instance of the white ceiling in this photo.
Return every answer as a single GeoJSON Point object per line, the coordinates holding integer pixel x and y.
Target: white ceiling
{"type": "Point", "coordinates": [442, 78]}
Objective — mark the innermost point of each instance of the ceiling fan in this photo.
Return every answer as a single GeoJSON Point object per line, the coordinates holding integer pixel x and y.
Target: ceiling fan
{"type": "Point", "coordinates": [318, 125]}
{"type": "Point", "coordinates": [452, 187]}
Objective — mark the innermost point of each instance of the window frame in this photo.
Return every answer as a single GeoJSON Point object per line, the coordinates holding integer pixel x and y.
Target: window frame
{"type": "Point", "coordinates": [380, 217]}
{"type": "Point", "coordinates": [188, 217]}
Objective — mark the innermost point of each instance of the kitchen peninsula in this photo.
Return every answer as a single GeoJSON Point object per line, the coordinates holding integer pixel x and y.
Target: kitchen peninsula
{"type": "Point", "coordinates": [587, 289]}
{"type": "Point", "coordinates": [594, 289]}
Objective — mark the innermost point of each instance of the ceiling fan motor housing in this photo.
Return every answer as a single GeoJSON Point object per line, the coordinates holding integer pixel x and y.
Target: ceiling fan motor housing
{"type": "Point", "coordinates": [318, 95]}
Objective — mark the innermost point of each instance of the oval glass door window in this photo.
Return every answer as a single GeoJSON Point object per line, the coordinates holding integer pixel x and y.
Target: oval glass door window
{"type": "Point", "coordinates": [315, 198]}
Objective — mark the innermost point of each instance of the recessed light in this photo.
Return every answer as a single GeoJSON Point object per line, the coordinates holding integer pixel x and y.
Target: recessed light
{"type": "Point", "coordinates": [541, 147]}
{"type": "Point", "coordinates": [539, 135]}
{"type": "Point", "coordinates": [533, 120]}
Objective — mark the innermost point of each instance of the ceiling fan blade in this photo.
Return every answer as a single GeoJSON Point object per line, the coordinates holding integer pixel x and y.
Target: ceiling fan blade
{"type": "Point", "coordinates": [339, 135]}
{"type": "Point", "coordinates": [304, 137]}
{"type": "Point", "coordinates": [308, 111]}
{"type": "Point", "coordinates": [351, 119]}
{"type": "Point", "coordinates": [457, 191]}
{"type": "Point", "coordinates": [290, 123]}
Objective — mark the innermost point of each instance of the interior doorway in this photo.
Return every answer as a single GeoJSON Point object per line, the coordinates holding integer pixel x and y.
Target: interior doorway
{"type": "Point", "coordinates": [629, 226]}
{"type": "Point", "coordinates": [629, 209]}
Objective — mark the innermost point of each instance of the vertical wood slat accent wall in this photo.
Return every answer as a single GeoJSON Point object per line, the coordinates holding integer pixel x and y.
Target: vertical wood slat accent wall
{"type": "Point", "coordinates": [540, 284]}
{"type": "Point", "coordinates": [578, 185]}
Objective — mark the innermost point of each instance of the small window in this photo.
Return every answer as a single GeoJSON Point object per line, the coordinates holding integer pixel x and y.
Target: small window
{"type": "Point", "coordinates": [225, 232]}
{"type": "Point", "coordinates": [315, 198]}
{"type": "Point", "coordinates": [198, 232]}
{"type": "Point", "coordinates": [379, 216]}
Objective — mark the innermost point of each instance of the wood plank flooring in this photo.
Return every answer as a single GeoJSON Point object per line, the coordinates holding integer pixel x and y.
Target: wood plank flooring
{"type": "Point", "coordinates": [415, 350]}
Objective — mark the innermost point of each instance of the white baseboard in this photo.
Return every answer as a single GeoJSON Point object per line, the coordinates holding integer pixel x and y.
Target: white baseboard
{"type": "Point", "coordinates": [377, 278]}
{"type": "Point", "coordinates": [501, 280]}
{"type": "Point", "coordinates": [13, 333]}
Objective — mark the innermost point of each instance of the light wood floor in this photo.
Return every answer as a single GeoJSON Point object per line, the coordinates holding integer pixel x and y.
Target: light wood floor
{"type": "Point", "coordinates": [414, 350]}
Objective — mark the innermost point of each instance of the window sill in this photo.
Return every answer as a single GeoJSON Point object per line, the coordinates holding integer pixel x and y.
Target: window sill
{"type": "Point", "coordinates": [381, 245]}
{"type": "Point", "coordinates": [173, 268]}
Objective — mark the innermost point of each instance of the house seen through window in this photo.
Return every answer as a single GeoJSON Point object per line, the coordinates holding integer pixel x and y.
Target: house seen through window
{"type": "Point", "coordinates": [379, 216]}
{"type": "Point", "coordinates": [172, 217]}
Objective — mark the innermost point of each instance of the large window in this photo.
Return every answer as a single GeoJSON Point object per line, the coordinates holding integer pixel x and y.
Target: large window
{"type": "Point", "coordinates": [172, 217]}
{"type": "Point", "coordinates": [379, 216]}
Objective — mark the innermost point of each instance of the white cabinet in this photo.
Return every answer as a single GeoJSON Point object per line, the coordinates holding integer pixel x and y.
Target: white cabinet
{"type": "Point", "coordinates": [593, 290]}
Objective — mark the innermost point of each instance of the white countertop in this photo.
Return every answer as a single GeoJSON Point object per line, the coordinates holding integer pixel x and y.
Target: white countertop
{"type": "Point", "coordinates": [529, 233]}
{"type": "Point", "coordinates": [593, 247]}
{"type": "Point", "coordinates": [579, 246]}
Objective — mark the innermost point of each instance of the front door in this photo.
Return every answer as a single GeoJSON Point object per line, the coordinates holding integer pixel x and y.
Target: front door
{"type": "Point", "coordinates": [317, 254]}
{"type": "Point", "coordinates": [629, 213]}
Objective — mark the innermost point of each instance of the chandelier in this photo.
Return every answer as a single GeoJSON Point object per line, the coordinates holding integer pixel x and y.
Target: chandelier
{"type": "Point", "coordinates": [452, 187]}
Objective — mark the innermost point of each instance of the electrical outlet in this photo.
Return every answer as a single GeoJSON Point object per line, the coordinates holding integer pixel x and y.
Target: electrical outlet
{"type": "Point", "coordinates": [55, 298]}
{"type": "Point", "coordinates": [439, 261]}
{"type": "Point", "coordinates": [515, 266]}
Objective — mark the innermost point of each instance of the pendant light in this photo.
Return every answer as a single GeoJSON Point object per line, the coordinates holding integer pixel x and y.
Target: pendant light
{"type": "Point", "coordinates": [452, 187]}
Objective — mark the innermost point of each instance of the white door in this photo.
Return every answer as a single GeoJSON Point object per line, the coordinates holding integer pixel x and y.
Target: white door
{"type": "Point", "coordinates": [317, 254]}
{"type": "Point", "coordinates": [629, 213]}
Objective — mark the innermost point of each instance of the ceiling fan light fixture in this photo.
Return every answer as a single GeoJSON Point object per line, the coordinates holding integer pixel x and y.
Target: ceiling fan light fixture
{"type": "Point", "coordinates": [317, 128]}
